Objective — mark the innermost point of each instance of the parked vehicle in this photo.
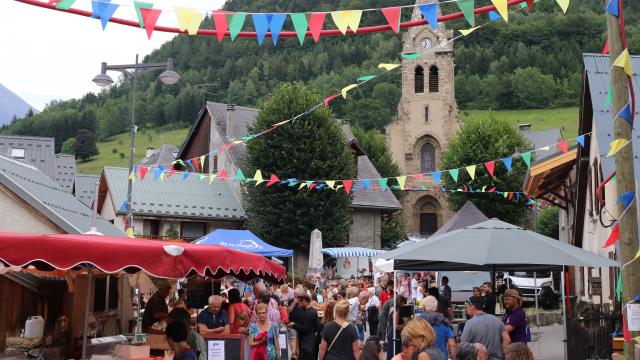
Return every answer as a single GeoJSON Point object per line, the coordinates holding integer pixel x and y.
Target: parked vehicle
{"type": "Point", "coordinates": [541, 286]}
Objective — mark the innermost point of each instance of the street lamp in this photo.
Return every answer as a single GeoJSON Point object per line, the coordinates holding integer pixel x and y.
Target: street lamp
{"type": "Point", "coordinates": [133, 71]}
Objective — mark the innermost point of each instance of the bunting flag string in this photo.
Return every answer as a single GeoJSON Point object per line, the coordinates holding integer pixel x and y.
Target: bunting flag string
{"type": "Point", "coordinates": [271, 24]}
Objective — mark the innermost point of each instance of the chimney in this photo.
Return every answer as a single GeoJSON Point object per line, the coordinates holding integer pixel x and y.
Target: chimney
{"type": "Point", "coordinates": [230, 109]}
{"type": "Point", "coordinates": [524, 127]}
{"type": "Point", "coordinates": [149, 151]}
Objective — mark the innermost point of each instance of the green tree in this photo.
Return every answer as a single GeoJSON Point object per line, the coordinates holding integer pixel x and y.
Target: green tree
{"type": "Point", "coordinates": [532, 89]}
{"type": "Point", "coordinates": [69, 146]}
{"type": "Point", "coordinates": [86, 145]}
{"type": "Point", "coordinates": [479, 141]}
{"type": "Point", "coordinates": [313, 148]}
{"type": "Point", "coordinates": [549, 222]}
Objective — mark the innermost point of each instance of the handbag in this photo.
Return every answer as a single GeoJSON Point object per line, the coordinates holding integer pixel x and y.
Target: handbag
{"type": "Point", "coordinates": [344, 326]}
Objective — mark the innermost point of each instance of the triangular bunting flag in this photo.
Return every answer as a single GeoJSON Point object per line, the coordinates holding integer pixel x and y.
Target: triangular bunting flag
{"type": "Point", "coordinates": [275, 25]}
{"type": "Point", "coordinates": [221, 24]}
{"type": "Point", "coordinates": [261, 24]}
{"type": "Point", "coordinates": [346, 89]}
{"type": "Point", "coordinates": [624, 62]}
{"type": "Point", "coordinates": [564, 5]}
{"type": "Point", "coordinates": [311, 185]}
{"type": "Point", "coordinates": [129, 233]}
{"type": "Point", "coordinates": [223, 175]}
{"type": "Point", "coordinates": [63, 4]}
{"type": "Point", "coordinates": [185, 175]}
{"type": "Point", "coordinates": [173, 171]}
{"type": "Point", "coordinates": [274, 179]}
{"type": "Point", "coordinates": [388, 67]}
{"type": "Point", "coordinates": [141, 5]}
{"type": "Point", "coordinates": [347, 19]}
{"type": "Point", "coordinates": [258, 177]}
{"type": "Point", "coordinates": [383, 183]}
{"type": "Point", "coordinates": [563, 146]}
{"type": "Point", "coordinates": [143, 172]}
{"type": "Point", "coordinates": [195, 163]}
{"type": "Point", "coordinates": [526, 157]}
{"type": "Point", "coordinates": [202, 157]}
{"type": "Point", "coordinates": [466, 32]}
{"type": "Point", "coordinates": [212, 177]}
{"type": "Point", "coordinates": [436, 176]}
{"type": "Point", "coordinates": [507, 163]}
{"type": "Point", "coordinates": [392, 14]}
{"type": "Point", "coordinates": [619, 294]}
{"type": "Point", "coordinates": [625, 113]}
{"type": "Point", "coordinates": [466, 7]}
{"type": "Point", "coordinates": [454, 174]}
{"type": "Point", "coordinates": [502, 8]}
{"type": "Point", "coordinates": [614, 236]}
{"type": "Point", "coordinates": [132, 176]}
{"type": "Point", "coordinates": [605, 49]}
{"type": "Point", "coordinates": [235, 24]}
{"type": "Point", "coordinates": [240, 175]}
{"type": "Point", "coordinates": [430, 13]}
{"type": "Point", "coordinates": [366, 78]}
{"type": "Point", "coordinates": [616, 145]}
{"type": "Point", "coordinates": [401, 181]}
{"type": "Point", "coordinates": [626, 198]}
{"type": "Point", "coordinates": [300, 24]}
{"type": "Point", "coordinates": [104, 10]}
{"type": "Point", "coordinates": [471, 169]}
{"type": "Point", "coordinates": [302, 185]}
{"type": "Point", "coordinates": [188, 19]}
{"type": "Point", "coordinates": [490, 165]}
{"type": "Point", "coordinates": [493, 16]}
{"type": "Point", "coordinates": [150, 18]}
{"type": "Point", "coordinates": [366, 183]}
{"type": "Point", "coordinates": [580, 140]}
{"type": "Point", "coordinates": [201, 177]}
{"type": "Point", "coordinates": [411, 56]}
{"type": "Point", "coordinates": [347, 185]}
{"type": "Point", "coordinates": [159, 171]}
{"type": "Point", "coordinates": [330, 183]}
{"type": "Point", "coordinates": [316, 21]}
{"type": "Point", "coordinates": [530, 4]}
{"type": "Point", "coordinates": [609, 99]}
{"type": "Point", "coordinates": [327, 99]}
{"type": "Point", "coordinates": [612, 8]}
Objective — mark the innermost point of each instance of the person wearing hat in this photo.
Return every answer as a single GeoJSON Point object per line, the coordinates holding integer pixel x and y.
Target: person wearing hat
{"type": "Point", "coordinates": [514, 318]}
{"type": "Point", "coordinates": [156, 308]}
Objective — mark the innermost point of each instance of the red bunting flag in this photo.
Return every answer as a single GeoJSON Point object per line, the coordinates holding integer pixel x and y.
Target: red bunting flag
{"type": "Point", "coordinates": [221, 24]}
{"type": "Point", "coordinates": [392, 14]}
{"type": "Point", "coordinates": [312, 186]}
{"type": "Point", "coordinates": [492, 189]}
{"type": "Point", "coordinates": [195, 162]}
{"type": "Point", "coordinates": [625, 330]}
{"type": "Point", "coordinates": [223, 175]}
{"type": "Point", "coordinates": [347, 185]}
{"type": "Point", "coordinates": [563, 146]}
{"type": "Point", "coordinates": [529, 4]}
{"type": "Point", "coordinates": [490, 165]}
{"type": "Point", "coordinates": [149, 19]}
{"type": "Point", "coordinates": [614, 236]}
{"type": "Point", "coordinates": [510, 195]}
{"type": "Point", "coordinates": [419, 176]}
{"type": "Point", "coordinates": [143, 172]}
{"type": "Point", "coordinates": [274, 179]}
{"type": "Point", "coordinates": [605, 50]}
{"type": "Point", "coordinates": [316, 21]}
{"type": "Point", "coordinates": [326, 100]}
{"type": "Point", "coordinates": [171, 173]}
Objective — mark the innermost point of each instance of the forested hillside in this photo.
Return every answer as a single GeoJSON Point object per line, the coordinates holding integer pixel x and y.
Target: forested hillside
{"type": "Point", "coordinates": [534, 61]}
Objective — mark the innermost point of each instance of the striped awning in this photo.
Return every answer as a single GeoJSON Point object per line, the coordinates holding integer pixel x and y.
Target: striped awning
{"type": "Point", "coordinates": [351, 251]}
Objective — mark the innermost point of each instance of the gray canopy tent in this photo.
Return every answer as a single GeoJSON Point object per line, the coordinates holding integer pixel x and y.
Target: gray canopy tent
{"type": "Point", "coordinates": [494, 245]}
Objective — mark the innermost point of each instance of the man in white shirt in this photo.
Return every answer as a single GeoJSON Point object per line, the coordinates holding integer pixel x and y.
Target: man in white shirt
{"type": "Point", "coordinates": [415, 283]}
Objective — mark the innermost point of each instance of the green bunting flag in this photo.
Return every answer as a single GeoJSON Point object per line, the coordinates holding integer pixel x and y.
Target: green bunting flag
{"type": "Point", "coordinates": [239, 175]}
{"type": "Point", "coordinates": [466, 7]}
{"type": "Point", "coordinates": [366, 77]}
{"type": "Point", "coordinates": [300, 24]}
{"type": "Point", "coordinates": [527, 158]}
{"type": "Point", "coordinates": [64, 4]}
{"type": "Point", "coordinates": [619, 286]}
{"type": "Point", "coordinates": [236, 22]}
{"type": "Point", "coordinates": [411, 56]}
{"type": "Point", "coordinates": [141, 5]}
{"type": "Point", "coordinates": [383, 183]}
{"type": "Point", "coordinates": [609, 99]}
{"type": "Point", "coordinates": [454, 174]}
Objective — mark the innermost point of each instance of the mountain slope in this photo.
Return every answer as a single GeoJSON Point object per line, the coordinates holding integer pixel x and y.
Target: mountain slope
{"type": "Point", "coordinates": [10, 105]}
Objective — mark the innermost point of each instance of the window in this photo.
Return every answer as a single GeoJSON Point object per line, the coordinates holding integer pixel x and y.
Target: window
{"type": "Point", "coordinates": [151, 228]}
{"type": "Point", "coordinates": [419, 80]}
{"type": "Point", "coordinates": [100, 292]}
{"type": "Point", "coordinates": [17, 153]}
{"type": "Point", "coordinates": [426, 114]}
{"type": "Point", "coordinates": [214, 164]}
{"type": "Point", "coordinates": [427, 158]}
{"type": "Point", "coordinates": [192, 230]}
{"type": "Point", "coordinates": [433, 79]}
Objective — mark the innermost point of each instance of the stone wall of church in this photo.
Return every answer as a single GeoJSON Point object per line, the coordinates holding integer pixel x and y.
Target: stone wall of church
{"type": "Point", "coordinates": [365, 228]}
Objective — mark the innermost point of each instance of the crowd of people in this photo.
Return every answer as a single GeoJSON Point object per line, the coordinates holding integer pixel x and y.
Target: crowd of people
{"type": "Point", "coordinates": [330, 321]}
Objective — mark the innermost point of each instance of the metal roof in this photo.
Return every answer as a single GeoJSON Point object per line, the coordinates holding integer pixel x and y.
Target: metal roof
{"type": "Point", "coordinates": [38, 151]}
{"type": "Point", "coordinates": [165, 154]}
{"type": "Point", "coordinates": [65, 171]}
{"type": "Point", "coordinates": [174, 197]}
{"type": "Point", "coordinates": [597, 74]}
{"type": "Point", "coordinates": [46, 196]}
{"type": "Point", "coordinates": [542, 138]}
{"type": "Point", "coordinates": [85, 187]}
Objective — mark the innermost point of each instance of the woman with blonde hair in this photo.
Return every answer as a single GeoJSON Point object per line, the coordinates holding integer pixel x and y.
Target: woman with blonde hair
{"type": "Point", "coordinates": [423, 340]}
{"type": "Point", "coordinates": [339, 337]}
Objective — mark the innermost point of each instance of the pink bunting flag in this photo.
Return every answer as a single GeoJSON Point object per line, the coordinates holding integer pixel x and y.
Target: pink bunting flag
{"type": "Point", "coordinates": [493, 189]}
{"type": "Point", "coordinates": [223, 175]}
{"type": "Point", "coordinates": [311, 186]}
{"type": "Point", "coordinates": [328, 99]}
{"type": "Point", "coordinates": [316, 21]}
{"type": "Point", "coordinates": [143, 172]}
{"type": "Point", "coordinates": [563, 146]}
{"type": "Point", "coordinates": [392, 14]}
{"type": "Point", "coordinates": [173, 171]}
{"type": "Point", "coordinates": [419, 176]}
{"type": "Point", "coordinates": [614, 236]}
{"type": "Point", "coordinates": [274, 179]}
{"type": "Point", "coordinates": [490, 165]}
{"type": "Point", "coordinates": [221, 23]}
{"type": "Point", "coordinates": [347, 185]}
{"type": "Point", "coordinates": [149, 19]}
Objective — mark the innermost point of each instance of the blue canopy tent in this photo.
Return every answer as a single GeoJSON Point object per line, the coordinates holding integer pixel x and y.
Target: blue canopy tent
{"type": "Point", "coordinates": [243, 240]}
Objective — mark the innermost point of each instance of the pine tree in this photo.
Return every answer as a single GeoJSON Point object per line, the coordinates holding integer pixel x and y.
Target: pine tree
{"type": "Point", "coordinates": [86, 145]}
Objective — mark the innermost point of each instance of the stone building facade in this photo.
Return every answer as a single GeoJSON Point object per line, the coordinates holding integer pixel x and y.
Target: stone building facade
{"type": "Point", "coordinates": [427, 118]}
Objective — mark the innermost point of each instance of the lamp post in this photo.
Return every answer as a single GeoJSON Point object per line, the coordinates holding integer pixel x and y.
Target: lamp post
{"type": "Point", "coordinates": [133, 71]}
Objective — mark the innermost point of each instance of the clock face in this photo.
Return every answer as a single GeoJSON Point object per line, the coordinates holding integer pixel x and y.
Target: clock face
{"type": "Point", "coordinates": [425, 43]}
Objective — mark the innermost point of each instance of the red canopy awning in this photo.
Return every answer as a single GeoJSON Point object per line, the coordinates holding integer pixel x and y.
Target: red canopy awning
{"type": "Point", "coordinates": [112, 254]}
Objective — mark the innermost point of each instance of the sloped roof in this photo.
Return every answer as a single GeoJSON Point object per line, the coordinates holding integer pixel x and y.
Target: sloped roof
{"type": "Point", "coordinates": [597, 74]}
{"type": "Point", "coordinates": [65, 171]}
{"type": "Point", "coordinates": [243, 118]}
{"type": "Point", "coordinates": [46, 196]}
{"type": "Point", "coordinates": [542, 138]}
{"type": "Point", "coordinates": [165, 154]}
{"type": "Point", "coordinates": [38, 151]}
{"type": "Point", "coordinates": [468, 215]}
{"type": "Point", "coordinates": [173, 197]}
{"type": "Point", "coordinates": [85, 187]}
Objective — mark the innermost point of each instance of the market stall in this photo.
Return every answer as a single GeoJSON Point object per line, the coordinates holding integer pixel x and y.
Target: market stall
{"type": "Point", "coordinates": [351, 261]}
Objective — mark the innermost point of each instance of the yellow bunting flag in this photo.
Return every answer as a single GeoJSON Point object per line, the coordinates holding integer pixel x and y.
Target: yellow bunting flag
{"type": "Point", "coordinates": [502, 8]}
{"type": "Point", "coordinates": [212, 178]}
{"type": "Point", "coordinates": [624, 62]}
{"type": "Point", "coordinates": [466, 32]}
{"type": "Point", "coordinates": [388, 67]}
{"type": "Point", "coordinates": [132, 176]}
{"type": "Point", "coordinates": [237, 142]}
{"type": "Point", "coordinates": [401, 181]}
{"type": "Point", "coordinates": [347, 19]}
{"type": "Point", "coordinates": [546, 148]}
{"type": "Point", "coordinates": [188, 19]}
{"type": "Point", "coordinates": [302, 185]}
{"type": "Point", "coordinates": [162, 176]}
{"type": "Point", "coordinates": [637, 256]}
{"type": "Point", "coordinates": [564, 4]}
{"type": "Point", "coordinates": [202, 161]}
{"type": "Point", "coordinates": [258, 177]}
{"type": "Point", "coordinates": [129, 232]}
{"type": "Point", "coordinates": [330, 183]}
{"type": "Point", "coordinates": [616, 145]}
{"type": "Point", "coordinates": [471, 169]}
{"type": "Point", "coordinates": [346, 89]}
{"type": "Point", "coordinates": [637, 339]}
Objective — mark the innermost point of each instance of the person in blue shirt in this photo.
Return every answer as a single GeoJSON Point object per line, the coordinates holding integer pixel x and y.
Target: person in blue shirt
{"type": "Point", "coordinates": [213, 319]}
{"type": "Point", "coordinates": [440, 324]}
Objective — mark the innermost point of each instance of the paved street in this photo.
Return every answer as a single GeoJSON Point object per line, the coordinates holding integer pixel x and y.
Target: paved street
{"type": "Point", "coordinates": [551, 344]}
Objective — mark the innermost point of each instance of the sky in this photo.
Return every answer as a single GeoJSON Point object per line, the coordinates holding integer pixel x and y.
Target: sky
{"type": "Point", "coordinates": [50, 55]}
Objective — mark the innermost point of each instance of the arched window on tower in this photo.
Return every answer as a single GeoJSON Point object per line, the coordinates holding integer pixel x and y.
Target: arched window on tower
{"type": "Point", "coordinates": [419, 79]}
{"type": "Point", "coordinates": [433, 79]}
{"type": "Point", "coordinates": [427, 158]}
